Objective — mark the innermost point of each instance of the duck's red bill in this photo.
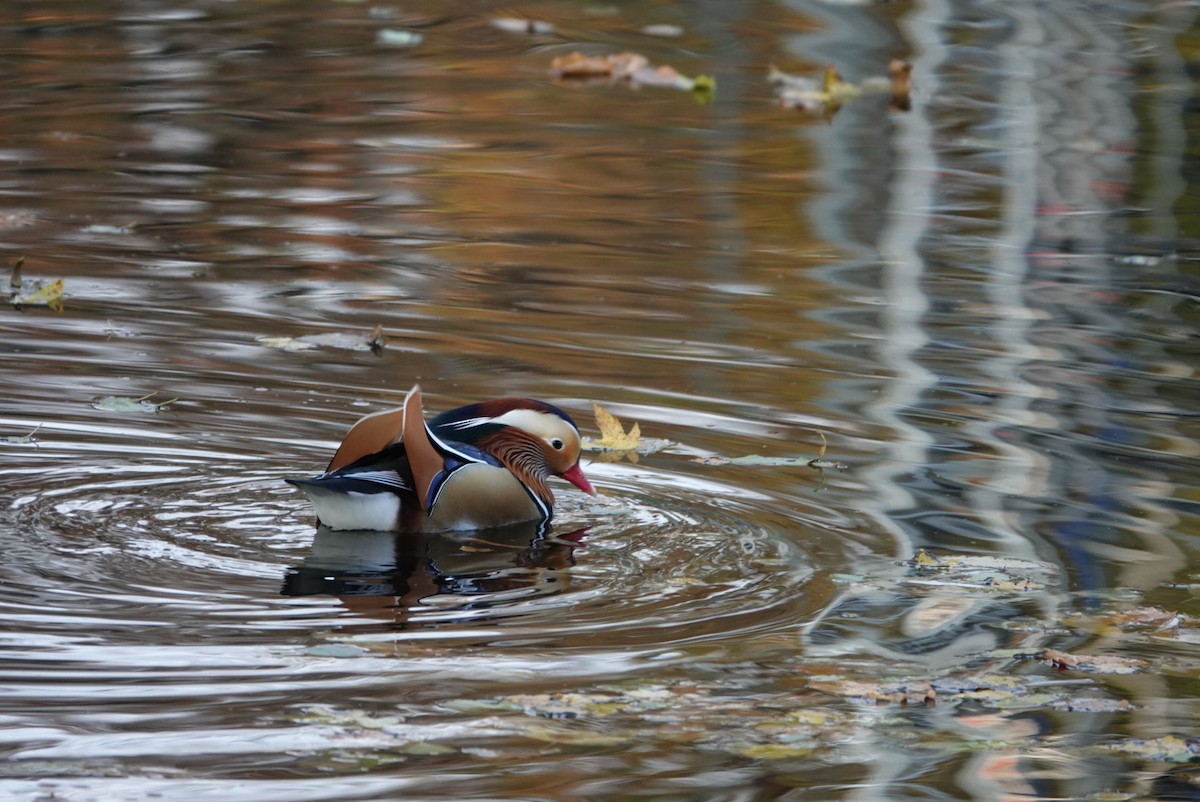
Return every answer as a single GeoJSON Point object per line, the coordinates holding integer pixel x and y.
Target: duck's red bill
{"type": "Point", "coordinates": [575, 476]}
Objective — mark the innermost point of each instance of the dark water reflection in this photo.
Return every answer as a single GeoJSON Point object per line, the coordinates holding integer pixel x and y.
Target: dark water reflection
{"type": "Point", "coordinates": [986, 306]}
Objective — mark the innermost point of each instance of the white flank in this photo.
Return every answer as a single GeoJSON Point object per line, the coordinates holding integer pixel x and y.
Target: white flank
{"type": "Point", "coordinates": [378, 511]}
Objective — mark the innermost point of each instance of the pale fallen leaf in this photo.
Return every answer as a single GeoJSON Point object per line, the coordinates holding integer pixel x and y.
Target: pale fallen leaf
{"type": "Point", "coordinates": [116, 331]}
{"type": "Point", "coordinates": [1172, 748]}
{"type": "Point", "coordinates": [125, 404]}
{"type": "Point", "coordinates": [1093, 663]}
{"type": "Point", "coordinates": [398, 38]}
{"type": "Point", "coordinates": [1094, 704]}
{"type": "Point", "coordinates": [663, 31]}
{"type": "Point", "coordinates": [518, 25]}
{"type": "Point", "coordinates": [777, 462]}
{"type": "Point", "coordinates": [21, 439]}
{"type": "Point", "coordinates": [632, 67]}
{"type": "Point", "coordinates": [349, 341]}
{"type": "Point", "coordinates": [877, 692]}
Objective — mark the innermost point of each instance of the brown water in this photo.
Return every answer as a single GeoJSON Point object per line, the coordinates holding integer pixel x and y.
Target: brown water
{"type": "Point", "coordinates": [986, 306]}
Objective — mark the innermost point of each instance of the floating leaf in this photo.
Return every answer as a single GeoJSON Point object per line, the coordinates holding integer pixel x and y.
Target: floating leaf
{"type": "Point", "coordinates": [613, 436]}
{"type": "Point", "coordinates": [876, 691]}
{"type": "Point", "coordinates": [632, 67]}
{"type": "Point", "coordinates": [1093, 664]}
{"type": "Point", "coordinates": [287, 343]}
{"type": "Point", "coordinates": [1171, 748]}
{"type": "Point", "coordinates": [574, 737]}
{"type": "Point", "coordinates": [827, 95]}
{"type": "Point", "coordinates": [663, 31]}
{"type": "Point", "coordinates": [1095, 705]}
{"type": "Point", "coordinates": [980, 572]}
{"type": "Point", "coordinates": [31, 292]}
{"type": "Point", "coordinates": [483, 707]}
{"type": "Point", "coordinates": [115, 331]}
{"type": "Point", "coordinates": [1002, 699]}
{"type": "Point", "coordinates": [756, 460]}
{"type": "Point", "coordinates": [568, 705]}
{"type": "Point", "coordinates": [518, 25]}
{"type": "Point", "coordinates": [22, 439]}
{"type": "Point", "coordinates": [615, 444]}
{"type": "Point", "coordinates": [361, 719]}
{"type": "Point", "coordinates": [924, 559]}
{"type": "Point", "coordinates": [350, 341]}
{"type": "Point", "coordinates": [774, 751]}
{"type": "Point", "coordinates": [100, 228]}
{"type": "Point", "coordinates": [397, 38]}
{"type": "Point", "coordinates": [124, 404]}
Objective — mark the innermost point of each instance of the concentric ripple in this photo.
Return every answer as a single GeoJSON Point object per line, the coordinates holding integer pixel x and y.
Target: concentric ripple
{"type": "Point", "coordinates": [171, 549]}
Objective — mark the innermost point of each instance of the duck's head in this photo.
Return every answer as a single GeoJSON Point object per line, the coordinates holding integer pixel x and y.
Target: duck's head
{"type": "Point", "coordinates": [551, 428]}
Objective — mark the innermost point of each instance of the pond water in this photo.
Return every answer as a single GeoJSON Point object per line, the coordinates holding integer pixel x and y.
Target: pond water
{"type": "Point", "coordinates": [977, 304]}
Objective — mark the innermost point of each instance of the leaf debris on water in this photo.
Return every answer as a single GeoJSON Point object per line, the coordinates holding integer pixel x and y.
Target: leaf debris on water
{"type": "Point", "coordinates": [758, 460]}
{"type": "Point", "coordinates": [634, 68]}
{"type": "Point", "coordinates": [111, 330]}
{"type": "Point", "coordinates": [1171, 748]}
{"type": "Point", "coordinates": [372, 341]}
{"type": "Point", "coordinates": [21, 439]}
{"type": "Point", "coordinates": [663, 31]}
{"type": "Point", "coordinates": [126, 404]}
{"type": "Point", "coordinates": [827, 95]}
{"type": "Point", "coordinates": [1093, 663]}
{"type": "Point", "coordinates": [393, 37]}
{"type": "Point", "coordinates": [519, 25]}
{"type": "Point", "coordinates": [33, 292]}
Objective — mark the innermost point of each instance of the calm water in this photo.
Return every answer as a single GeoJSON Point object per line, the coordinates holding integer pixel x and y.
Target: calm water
{"type": "Point", "coordinates": [985, 305]}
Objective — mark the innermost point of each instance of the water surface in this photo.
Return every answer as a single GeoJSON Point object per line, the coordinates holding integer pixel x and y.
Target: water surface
{"type": "Point", "coordinates": [984, 307]}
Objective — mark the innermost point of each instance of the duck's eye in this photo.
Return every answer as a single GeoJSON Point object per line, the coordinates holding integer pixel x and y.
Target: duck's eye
{"type": "Point", "coordinates": [556, 444]}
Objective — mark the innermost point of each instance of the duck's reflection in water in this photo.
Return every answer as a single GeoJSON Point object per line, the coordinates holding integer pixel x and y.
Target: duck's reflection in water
{"type": "Point", "coordinates": [417, 579]}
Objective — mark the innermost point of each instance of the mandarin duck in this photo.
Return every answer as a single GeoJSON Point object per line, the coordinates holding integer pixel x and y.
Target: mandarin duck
{"type": "Point", "coordinates": [479, 466]}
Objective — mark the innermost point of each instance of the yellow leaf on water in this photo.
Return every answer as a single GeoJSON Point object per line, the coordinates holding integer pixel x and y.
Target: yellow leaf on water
{"type": "Point", "coordinates": [32, 292]}
{"type": "Point", "coordinates": [48, 294]}
{"type": "Point", "coordinates": [613, 436]}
